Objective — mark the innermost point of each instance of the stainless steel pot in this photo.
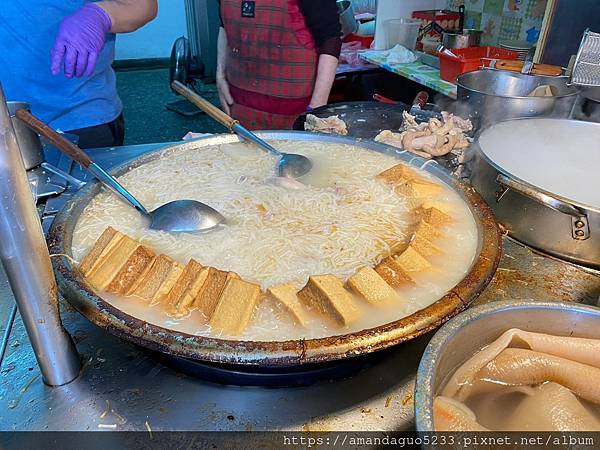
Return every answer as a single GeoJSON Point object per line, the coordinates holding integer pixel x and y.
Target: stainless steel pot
{"type": "Point", "coordinates": [468, 38]}
{"type": "Point", "coordinates": [349, 23]}
{"type": "Point", "coordinates": [587, 106]}
{"type": "Point", "coordinates": [82, 296]}
{"type": "Point", "coordinates": [469, 332]}
{"type": "Point", "coordinates": [29, 142]}
{"type": "Point", "coordinates": [552, 222]}
{"type": "Point", "coordinates": [491, 96]}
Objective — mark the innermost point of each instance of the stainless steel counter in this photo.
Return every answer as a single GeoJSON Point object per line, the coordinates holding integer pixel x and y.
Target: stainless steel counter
{"type": "Point", "coordinates": [122, 388]}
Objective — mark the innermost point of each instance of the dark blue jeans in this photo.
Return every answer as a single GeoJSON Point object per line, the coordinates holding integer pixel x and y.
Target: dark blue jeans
{"type": "Point", "coordinates": [111, 134]}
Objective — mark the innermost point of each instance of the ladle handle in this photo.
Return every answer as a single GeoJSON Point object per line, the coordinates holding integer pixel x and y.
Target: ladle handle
{"type": "Point", "coordinates": [56, 139]}
{"type": "Point", "coordinates": [221, 117]}
{"type": "Point", "coordinates": [206, 106]}
{"type": "Point", "coordinates": [64, 175]}
{"type": "Point", "coordinates": [74, 152]}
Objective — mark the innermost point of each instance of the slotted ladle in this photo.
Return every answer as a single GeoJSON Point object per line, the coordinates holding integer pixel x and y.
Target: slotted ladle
{"type": "Point", "coordinates": [175, 216]}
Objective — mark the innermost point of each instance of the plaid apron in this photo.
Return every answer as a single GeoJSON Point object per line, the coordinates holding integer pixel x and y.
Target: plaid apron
{"type": "Point", "coordinates": [271, 64]}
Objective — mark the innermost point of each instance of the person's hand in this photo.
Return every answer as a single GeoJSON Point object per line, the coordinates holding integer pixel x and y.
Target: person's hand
{"type": "Point", "coordinates": [79, 41]}
{"type": "Point", "coordinates": [224, 95]}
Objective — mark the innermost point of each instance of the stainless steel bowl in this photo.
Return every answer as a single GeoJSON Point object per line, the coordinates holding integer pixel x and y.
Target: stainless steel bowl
{"type": "Point", "coordinates": [492, 96]}
{"type": "Point", "coordinates": [468, 38]}
{"type": "Point", "coordinates": [470, 331]}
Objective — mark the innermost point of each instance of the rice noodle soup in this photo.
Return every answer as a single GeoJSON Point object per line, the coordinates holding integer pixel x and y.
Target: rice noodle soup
{"type": "Point", "coordinates": [342, 220]}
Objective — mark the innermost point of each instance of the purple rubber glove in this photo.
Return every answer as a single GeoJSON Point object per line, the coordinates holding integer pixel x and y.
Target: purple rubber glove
{"type": "Point", "coordinates": [80, 39]}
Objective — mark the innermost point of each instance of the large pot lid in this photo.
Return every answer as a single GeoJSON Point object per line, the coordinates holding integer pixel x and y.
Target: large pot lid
{"type": "Point", "coordinates": [559, 156]}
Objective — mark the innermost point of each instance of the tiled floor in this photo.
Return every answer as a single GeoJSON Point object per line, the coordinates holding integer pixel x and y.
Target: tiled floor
{"type": "Point", "coordinates": [144, 94]}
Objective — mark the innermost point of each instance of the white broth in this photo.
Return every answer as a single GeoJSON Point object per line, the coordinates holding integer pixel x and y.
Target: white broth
{"type": "Point", "coordinates": [343, 220]}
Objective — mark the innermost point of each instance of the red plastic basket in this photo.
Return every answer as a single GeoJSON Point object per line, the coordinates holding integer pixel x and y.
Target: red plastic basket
{"type": "Point", "coordinates": [469, 59]}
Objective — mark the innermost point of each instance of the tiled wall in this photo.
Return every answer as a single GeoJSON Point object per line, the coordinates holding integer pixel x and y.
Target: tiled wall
{"type": "Point", "coordinates": [503, 19]}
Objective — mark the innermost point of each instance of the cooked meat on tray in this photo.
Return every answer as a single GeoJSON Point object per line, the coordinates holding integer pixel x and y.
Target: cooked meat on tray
{"type": "Point", "coordinates": [429, 139]}
{"type": "Point", "coordinates": [331, 124]}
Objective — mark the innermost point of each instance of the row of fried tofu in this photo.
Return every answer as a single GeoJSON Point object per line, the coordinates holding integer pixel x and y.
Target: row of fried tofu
{"type": "Point", "coordinates": [122, 266]}
{"type": "Point", "coordinates": [432, 217]}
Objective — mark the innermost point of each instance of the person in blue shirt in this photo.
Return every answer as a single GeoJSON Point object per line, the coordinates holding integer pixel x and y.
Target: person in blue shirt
{"type": "Point", "coordinates": [56, 55]}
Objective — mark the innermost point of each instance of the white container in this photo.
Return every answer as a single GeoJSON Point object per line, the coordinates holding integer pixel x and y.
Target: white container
{"type": "Point", "coordinates": [402, 31]}
{"type": "Point", "coordinates": [395, 9]}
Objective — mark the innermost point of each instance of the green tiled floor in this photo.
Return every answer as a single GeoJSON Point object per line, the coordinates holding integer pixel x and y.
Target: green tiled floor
{"type": "Point", "coordinates": [144, 94]}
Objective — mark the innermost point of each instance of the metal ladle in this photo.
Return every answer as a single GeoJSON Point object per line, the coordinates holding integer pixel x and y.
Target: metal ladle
{"type": "Point", "coordinates": [290, 165]}
{"type": "Point", "coordinates": [175, 216]}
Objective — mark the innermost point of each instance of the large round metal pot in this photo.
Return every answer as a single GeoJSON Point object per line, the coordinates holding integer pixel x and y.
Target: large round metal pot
{"type": "Point", "coordinates": [78, 292]}
{"type": "Point", "coordinates": [29, 142]}
{"type": "Point", "coordinates": [468, 38]}
{"type": "Point", "coordinates": [492, 96]}
{"type": "Point", "coordinates": [532, 211]}
{"type": "Point", "coordinates": [472, 330]}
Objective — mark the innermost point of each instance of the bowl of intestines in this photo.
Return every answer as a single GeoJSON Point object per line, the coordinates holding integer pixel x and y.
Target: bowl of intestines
{"type": "Point", "coordinates": [513, 366]}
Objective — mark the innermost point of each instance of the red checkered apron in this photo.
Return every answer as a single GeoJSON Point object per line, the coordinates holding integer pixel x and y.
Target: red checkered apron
{"type": "Point", "coordinates": [271, 64]}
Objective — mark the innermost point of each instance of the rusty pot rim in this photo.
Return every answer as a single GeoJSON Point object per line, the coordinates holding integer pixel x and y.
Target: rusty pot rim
{"type": "Point", "coordinates": [77, 291]}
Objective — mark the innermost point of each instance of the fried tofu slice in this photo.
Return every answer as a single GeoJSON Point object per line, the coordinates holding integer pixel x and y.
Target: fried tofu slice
{"type": "Point", "coordinates": [186, 302]}
{"type": "Point", "coordinates": [398, 174]}
{"type": "Point", "coordinates": [439, 204]}
{"type": "Point", "coordinates": [412, 261]}
{"type": "Point", "coordinates": [428, 231]}
{"type": "Point", "coordinates": [207, 298]}
{"type": "Point", "coordinates": [132, 270]}
{"type": "Point", "coordinates": [368, 284]}
{"type": "Point", "coordinates": [426, 189]}
{"type": "Point", "coordinates": [393, 274]}
{"type": "Point", "coordinates": [235, 306]}
{"type": "Point", "coordinates": [158, 280]}
{"type": "Point", "coordinates": [327, 294]}
{"type": "Point", "coordinates": [102, 244]}
{"type": "Point", "coordinates": [425, 247]}
{"type": "Point", "coordinates": [409, 183]}
{"type": "Point", "coordinates": [402, 174]}
{"type": "Point", "coordinates": [436, 218]}
{"type": "Point", "coordinates": [110, 261]}
{"type": "Point", "coordinates": [184, 291]}
{"type": "Point", "coordinates": [286, 295]}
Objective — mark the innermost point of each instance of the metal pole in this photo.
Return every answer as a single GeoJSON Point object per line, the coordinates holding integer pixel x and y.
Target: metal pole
{"type": "Point", "coordinates": [7, 331]}
{"type": "Point", "coordinates": [25, 257]}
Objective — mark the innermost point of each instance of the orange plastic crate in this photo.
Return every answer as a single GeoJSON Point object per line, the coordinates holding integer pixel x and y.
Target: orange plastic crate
{"type": "Point", "coordinates": [469, 59]}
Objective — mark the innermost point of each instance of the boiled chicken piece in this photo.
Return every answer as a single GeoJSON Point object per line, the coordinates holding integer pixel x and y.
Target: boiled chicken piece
{"type": "Point", "coordinates": [585, 351]}
{"type": "Point", "coordinates": [390, 138]}
{"type": "Point", "coordinates": [460, 123]}
{"type": "Point", "coordinates": [331, 124]}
